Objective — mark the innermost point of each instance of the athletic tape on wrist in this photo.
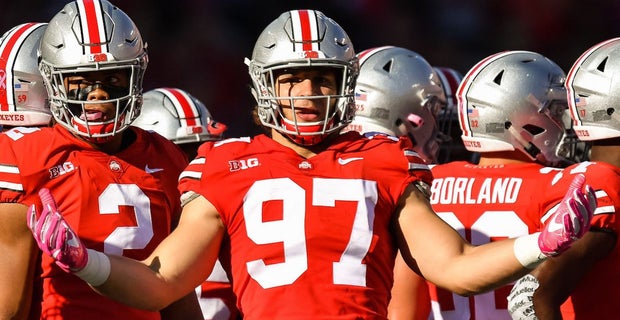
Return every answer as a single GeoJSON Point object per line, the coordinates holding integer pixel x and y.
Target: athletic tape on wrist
{"type": "Point", "coordinates": [527, 251]}
{"type": "Point", "coordinates": [97, 269]}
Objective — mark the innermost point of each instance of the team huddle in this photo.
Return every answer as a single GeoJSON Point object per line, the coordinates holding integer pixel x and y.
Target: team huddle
{"type": "Point", "coordinates": [381, 187]}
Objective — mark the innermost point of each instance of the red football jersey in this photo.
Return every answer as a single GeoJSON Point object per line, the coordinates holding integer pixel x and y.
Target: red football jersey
{"type": "Point", "coordinates": [309, 238]}
{"type": "Point", "coordinates": [216, 298]}
{"type": "Point", "coordinates": [596, 296]}
{"type": "Point", "coordinates": [484, 204]}
{"type": "Point", "coordinates": [122, 204]}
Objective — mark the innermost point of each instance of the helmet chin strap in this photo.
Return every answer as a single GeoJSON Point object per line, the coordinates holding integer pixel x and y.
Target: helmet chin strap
{"type": "Point", "coordinates": [91, 129]}
{"type": "Point", "coordinates": [305, 139]}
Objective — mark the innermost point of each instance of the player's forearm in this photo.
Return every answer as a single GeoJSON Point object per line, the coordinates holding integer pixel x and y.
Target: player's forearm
{"type": "Point", "coordinates": [15, 293]}
{"type": "Point", "coordinates": [483, 268]}
{"type": "Point", "coordinates": [135, 284]}
{"type": "Point", "coordinates": [17, 263]}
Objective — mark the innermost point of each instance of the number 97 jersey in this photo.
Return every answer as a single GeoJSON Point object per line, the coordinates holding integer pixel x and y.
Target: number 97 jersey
{"type": "Point", "coordinates": [309, 238]}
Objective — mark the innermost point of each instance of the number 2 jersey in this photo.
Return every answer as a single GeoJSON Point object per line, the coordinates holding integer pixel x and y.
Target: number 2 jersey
{"type": "Point", "coordinates": [121, 204]}
{"type": "Point", "coordinates": [484, 204]}
{"type": "Point", "coordinates": [309, 238]}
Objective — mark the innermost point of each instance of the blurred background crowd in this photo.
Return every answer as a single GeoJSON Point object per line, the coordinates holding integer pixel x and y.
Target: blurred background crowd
{"type": "Point", "coordinates": [199, 45]}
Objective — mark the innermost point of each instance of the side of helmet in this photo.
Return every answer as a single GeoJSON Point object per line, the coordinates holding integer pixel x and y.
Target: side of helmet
{"type": "Point", "coordinates": [178, 116]}
{"type": "Point", "coordinates": [23, 97]}
{"type": "Point", "coordinates": [593, 85]}
{"type": "Point", "coordinates": [514, 100]}
{"type": "Point", "coordinates": [303, 39]}
{"type": "Point", "coordinates": [451, 148]}
{"type": "Point", "coordinates": [88, 36]}
{"type": "Point", "coordinates": [399, 93]}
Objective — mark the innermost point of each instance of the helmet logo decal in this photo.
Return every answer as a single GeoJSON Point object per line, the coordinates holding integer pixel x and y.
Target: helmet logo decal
{"type": "Point", "coordinates": [310, 54]}
{"type": "Point", "coordinates": [98, 57]}
{"type": "Point", "coordinates": [305, 30]}
{"type": "Point", "coordinates": [8, 52]}
{"type": "Point", "coordinates": [93, 29]}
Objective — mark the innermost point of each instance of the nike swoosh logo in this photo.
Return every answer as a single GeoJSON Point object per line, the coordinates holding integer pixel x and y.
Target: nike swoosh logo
{"type": "Point", "coordinates": [149, 170]}
{"type": "Point", "coordinates": [555, 226]}
{"type": "Point", "coordinates": [348, 160]}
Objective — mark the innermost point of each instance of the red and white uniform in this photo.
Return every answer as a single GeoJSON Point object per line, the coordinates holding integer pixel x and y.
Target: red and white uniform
{"type": "Point", "coordinates": [484, 204]}
{"type": "Point", "coordinates": [309, 238]}
{"type": "Point", "coordinates": [596, 296]}
{"type": "Point", "coordinates": [216, 298]}
{"type": "Point", "coordinates": [122, 204]}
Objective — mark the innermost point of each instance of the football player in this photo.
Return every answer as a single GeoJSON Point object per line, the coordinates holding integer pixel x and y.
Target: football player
{"type": "Point", "coordinates": [585, 283]}
{"type": "Point", "coordinates": [116, 185]}
{"type": "Point", "coordinates": [23, 103]}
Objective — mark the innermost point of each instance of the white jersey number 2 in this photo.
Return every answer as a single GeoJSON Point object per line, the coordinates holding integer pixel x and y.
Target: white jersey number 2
{"type": "Point", "coordinates": [134, 237]}
{"type": "Point", "coordinates": [290, 231]}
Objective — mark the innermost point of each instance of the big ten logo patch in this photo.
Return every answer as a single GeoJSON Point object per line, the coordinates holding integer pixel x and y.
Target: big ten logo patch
{"type": "Point", "coordinates": [236, 165]}
{"type": "Point", "coordinates": [61, 169]}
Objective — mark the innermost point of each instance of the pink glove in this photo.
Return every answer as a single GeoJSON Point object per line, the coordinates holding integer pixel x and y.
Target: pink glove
{"type": "Point", "coordinates": [571, 220]}
{"type": "Point", "coordinates": [55, 237]}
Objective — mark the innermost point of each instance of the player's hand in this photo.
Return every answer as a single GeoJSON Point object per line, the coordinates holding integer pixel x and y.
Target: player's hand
{"type": "Point", "coordinates": [571, 220]}
{"type": "Point", "coordinates": [520, 299]}
{"type": "Point", "coordinates": [55, 237]}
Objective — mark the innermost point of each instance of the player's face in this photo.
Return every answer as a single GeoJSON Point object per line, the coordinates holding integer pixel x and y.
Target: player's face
{"type": "Point", "coordinates": [303, 84]}
{"type": "Point", "coordinates": [92, 87]}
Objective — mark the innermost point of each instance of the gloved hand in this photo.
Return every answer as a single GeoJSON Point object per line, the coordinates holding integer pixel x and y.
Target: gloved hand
{"type": "Point", "coordinates": [571, 220]}
{"type": "Point", "coordinates": [520, 299]}
{"type": "Point", "coordinates": [55, 237]}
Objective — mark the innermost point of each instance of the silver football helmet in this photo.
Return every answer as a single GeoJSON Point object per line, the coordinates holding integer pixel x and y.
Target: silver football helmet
{"type": "Point", "coordinates": [515, 100]}
{"type": "Point", "coordinates": [593, 85]}
{"type": "Point", "coordinates": [399, 93]}
{"type": "Point", "coordinates": [23, 97]}
{"type": "Point", "coordinates": [90, 36]}
{"type": "Point", "coordinates": [303, 39]}
{"type": "Point", "coordinates": [178, 116]}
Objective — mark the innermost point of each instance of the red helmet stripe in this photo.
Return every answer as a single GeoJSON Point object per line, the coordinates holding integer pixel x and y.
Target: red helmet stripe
{"type": "Point", "coordinates": [305, 30]}
{"type": "Point", "coordinates": [184, 105]}
{"type": "Point", "coordinates": [364, 55]}
{"type": "Point", "coordinates": [8, 52]}
{"type": "Point", "coordinates": [94, 33]}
